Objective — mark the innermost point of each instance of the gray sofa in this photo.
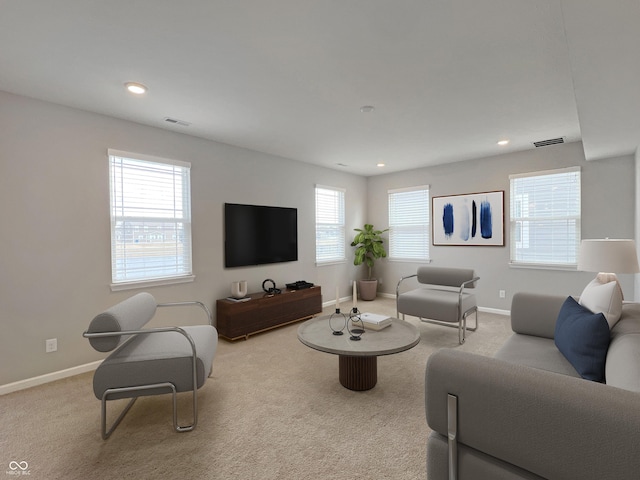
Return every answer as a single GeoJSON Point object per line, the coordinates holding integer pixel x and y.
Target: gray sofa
{"type": "Point", "coordinates": [527, 413]}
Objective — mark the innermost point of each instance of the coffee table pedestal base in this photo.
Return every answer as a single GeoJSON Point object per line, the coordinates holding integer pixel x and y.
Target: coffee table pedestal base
{"type": "Point", "coordinates": [358, 373]}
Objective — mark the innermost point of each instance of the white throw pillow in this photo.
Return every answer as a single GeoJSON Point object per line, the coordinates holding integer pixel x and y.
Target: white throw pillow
{"type": "Point", "coordinates": [603, 297]}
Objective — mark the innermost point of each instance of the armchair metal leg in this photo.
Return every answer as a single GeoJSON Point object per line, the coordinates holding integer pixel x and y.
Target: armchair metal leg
{"type": "Point", "coordinates": [186, 428]}
{"type": "Point", "coordinates": [475, 312]}
{"type": "Point", "coordinates": [461, 325]}
{"type": "Point", "coordinates": [106, 434]}
{"type": "Point", "coordinates": [462, 331]}
{"type": "Point", "coordinates": [170, 387]}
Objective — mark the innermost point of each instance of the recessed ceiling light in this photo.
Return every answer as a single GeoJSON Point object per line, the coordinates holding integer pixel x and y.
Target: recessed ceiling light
{"type": "Point", "coordinates": [503, 142]}
{"type": "Point", "coordinates": [380, 164]}
{"type": "Point", "coordinates": [136, 88]}
{"type": "Point", "coordinates": [367, 108]}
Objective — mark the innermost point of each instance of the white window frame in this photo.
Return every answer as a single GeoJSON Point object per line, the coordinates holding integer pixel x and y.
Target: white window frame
{"type": "Point", "coordinates": [132, 201]}
{"type": "Point", "coordinates": [330, 225]}
{"type": "Point", "coordinates": [409, 233]}
{"type": "Point", "coordinates": [527, 222]}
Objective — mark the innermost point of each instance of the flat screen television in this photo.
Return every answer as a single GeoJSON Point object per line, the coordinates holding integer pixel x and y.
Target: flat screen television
{"type": "Point", "coordinates": [257, 235]}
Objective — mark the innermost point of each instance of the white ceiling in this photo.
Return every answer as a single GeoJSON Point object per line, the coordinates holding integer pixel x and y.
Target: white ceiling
{"type": "Point", "coordinates": [447, 78]}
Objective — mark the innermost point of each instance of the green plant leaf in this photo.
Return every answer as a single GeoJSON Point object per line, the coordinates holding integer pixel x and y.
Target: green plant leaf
{"type": "Point", "coordinates": [369, 246]}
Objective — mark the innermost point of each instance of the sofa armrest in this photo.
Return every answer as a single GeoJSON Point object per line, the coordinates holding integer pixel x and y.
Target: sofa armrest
{"type": "Point", "coordinates": [548, 424]}
{"type": "Point", "coordinates": [535, 314]}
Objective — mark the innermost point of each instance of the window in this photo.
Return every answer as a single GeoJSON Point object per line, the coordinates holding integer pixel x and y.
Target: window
{"type": "Point", "coordinates": [545, 218]}
{"type": "Point", "coordinates": [330, 235]}
{"type": "Point", "coordinates": [150, 220]}
{"type": "Point", "coordinates": [409, 223]}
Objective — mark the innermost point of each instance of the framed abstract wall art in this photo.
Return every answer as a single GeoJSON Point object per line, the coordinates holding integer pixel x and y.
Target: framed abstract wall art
{"type": "Point", "coordinates": [469, 219]}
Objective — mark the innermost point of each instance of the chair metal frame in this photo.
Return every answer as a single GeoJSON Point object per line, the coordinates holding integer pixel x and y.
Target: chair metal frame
{"type": "Point", "coordinates": [170, 387]}
{"type": "Point", "coordinates": [461, 324]}
{"type": "Point", "coordinates": [452, 435]}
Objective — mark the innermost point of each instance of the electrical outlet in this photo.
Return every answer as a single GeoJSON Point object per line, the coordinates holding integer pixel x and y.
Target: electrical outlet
{"type": "Point", "coordinates": [51, 345]}
{"type": "Point", "coordinates": [502, 294]}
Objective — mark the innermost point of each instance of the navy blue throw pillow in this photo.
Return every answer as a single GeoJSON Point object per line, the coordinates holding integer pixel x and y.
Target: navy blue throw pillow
{"type": "Point", "coordinates": [583, 338]}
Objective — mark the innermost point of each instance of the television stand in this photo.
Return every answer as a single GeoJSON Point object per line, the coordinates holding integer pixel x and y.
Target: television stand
{"type": "Point", "coordinates": [236, 320]}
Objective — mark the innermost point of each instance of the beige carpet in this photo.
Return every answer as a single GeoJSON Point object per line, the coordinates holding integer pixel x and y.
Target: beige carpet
{"type": "Point", "coordinates": [273, 409]}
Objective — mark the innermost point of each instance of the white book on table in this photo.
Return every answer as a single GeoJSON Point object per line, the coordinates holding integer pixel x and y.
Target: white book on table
{"type": "Point", "coordinates": [375, 321]}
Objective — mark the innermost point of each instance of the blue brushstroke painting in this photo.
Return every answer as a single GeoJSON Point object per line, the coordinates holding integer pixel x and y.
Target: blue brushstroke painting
{"type": "Point", "coordinates": [465, 223]}
{"type": "Point", "coordinates": [486, 222]}
{"type": "Point", "coordinates": [474, 213]}
{"type": "Point", "coordinates": [447, 220]}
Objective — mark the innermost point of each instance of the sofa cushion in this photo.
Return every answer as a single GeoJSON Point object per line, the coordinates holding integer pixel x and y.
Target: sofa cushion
{"type": "Point", "coordinates": [158, 358]}
{"type": "Point", "coordinates": [583, 338]}
{"type": "Point", "coordinates": [536, 352]}
{"type": "Point", "coordinates": [622, 369]}
{"type": "Point", "coordinates": [434, 303]}
{"type": "Point", "coordinates": [535, 314]}
{"type": "Point", "coordinates": [605, 298]}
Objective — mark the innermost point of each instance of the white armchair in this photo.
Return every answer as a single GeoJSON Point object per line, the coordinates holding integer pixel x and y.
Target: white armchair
{"type": "Point", "coordinates": [149, 361]}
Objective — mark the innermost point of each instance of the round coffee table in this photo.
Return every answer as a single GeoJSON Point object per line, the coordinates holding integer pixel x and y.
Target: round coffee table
{"type": "Point", "coordinates": [358, 360]}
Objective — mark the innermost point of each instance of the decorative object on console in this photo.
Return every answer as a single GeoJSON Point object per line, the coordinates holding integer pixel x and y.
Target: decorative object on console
{"type": "Point", "coordinates": [239, 289]}
{"type": "Point", "coordinates": [299, 285]}
{"type": "Point", "coordinates": [369, 247]}
{"type": "Point", "coordinates": [238, 300]}
{"type": "Point", "coordinates": [608, 257]}
{"type": "Point", "coordinates": [271, 290]}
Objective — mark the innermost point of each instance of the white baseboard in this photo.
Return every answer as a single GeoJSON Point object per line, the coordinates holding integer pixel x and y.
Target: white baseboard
{"type": "Point", "coordinates": [49, 377]}
{"type": "Point", "coordinates": [497, 311]}
{"type": "Point", "coordinates": [387, 295]}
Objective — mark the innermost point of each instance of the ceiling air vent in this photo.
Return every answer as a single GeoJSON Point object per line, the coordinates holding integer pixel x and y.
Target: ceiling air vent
{"type": "Point", "coordinates": [175, 121]}
{"type": "Point", "coordinates": [551, 141]}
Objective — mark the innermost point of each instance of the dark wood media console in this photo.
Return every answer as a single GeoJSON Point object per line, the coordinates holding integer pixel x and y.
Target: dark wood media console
{"type": "Point", "coordinates": [265, 311]}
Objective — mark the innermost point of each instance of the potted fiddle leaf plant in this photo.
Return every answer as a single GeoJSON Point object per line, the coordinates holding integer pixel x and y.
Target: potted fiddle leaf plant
{"type": "Point", "coordinates": [369, 247]}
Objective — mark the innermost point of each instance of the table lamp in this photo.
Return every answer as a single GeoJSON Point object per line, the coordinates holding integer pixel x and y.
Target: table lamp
{"type": "Point", "coordinates": [608, 256]}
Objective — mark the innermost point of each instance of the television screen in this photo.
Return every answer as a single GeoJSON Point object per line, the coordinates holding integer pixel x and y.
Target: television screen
{"type": "Point", "coordinates": [256, 235]}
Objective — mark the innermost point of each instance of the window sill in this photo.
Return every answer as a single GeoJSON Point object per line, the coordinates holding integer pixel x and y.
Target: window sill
{"type": "Point", "coordinates": [116, 287]}
{"type": "Point", "coordinates": [409, 260]}
{"type": "Point", "coordinates": [543, 266]}
{"type": "Point", "coordinates": [330, 262]}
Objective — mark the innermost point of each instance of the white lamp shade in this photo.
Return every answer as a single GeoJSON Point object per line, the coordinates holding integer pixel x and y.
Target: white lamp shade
{"type": "Point", "coordinates": [608, 255]}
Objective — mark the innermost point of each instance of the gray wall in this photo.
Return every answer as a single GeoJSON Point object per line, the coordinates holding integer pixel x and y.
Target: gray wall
{"type": "Point", "coordinates": [608, 210]}
{"type": "Point", "coordinates": [55, 243]}
{"type": "Point", "coordinates": [637, 216]}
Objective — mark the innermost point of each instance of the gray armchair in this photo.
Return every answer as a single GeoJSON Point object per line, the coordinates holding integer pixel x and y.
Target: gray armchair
{"type": "Point", "coordinates": [149, 361]}
{"type": "Point", "coordinates": [442, 298]}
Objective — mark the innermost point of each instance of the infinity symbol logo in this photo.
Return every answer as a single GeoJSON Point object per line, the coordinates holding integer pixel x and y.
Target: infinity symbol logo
{"type": "Point", "coordinates": [18, 465]}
